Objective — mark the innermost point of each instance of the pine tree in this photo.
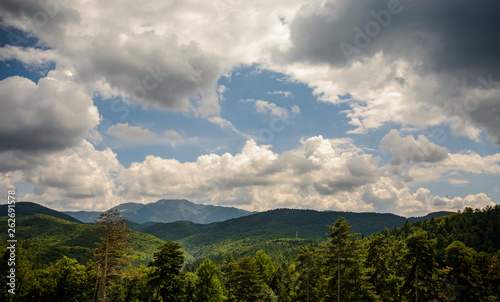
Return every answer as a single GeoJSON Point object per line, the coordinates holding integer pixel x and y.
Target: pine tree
{"type": "Point", "coordinates": [110, 250]}
{"type": "Point", "coordinates": [461, 273]}
{"type": "Point", "coordinates": [228, 267]}
{"type": "Point", "coordinates": [245, 282]}
{"type": "Point", "coordinates": [377, 258]}
{"type": "Point", "coordinates": [167, 279]}
{"type": "Point", "coordinates": [349, 281]}
{"type": "Point", "coordinates": [208, 287]}
{"type": "Point", "coordinates": [265, 266]}
{"type": "Point", "coordinates": [421, 278]}
{"type": "Point", "coordinates": [309, 269]}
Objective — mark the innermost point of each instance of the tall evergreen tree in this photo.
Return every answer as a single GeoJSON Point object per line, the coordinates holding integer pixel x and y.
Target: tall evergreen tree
{"type": "Point", "coordinates": [377, 262]}
{"type": "Point", "coordinates": [228, 267]}
{"type": "Point", "coordinates": [309, 268]}
{"type": "Point", "coordinates": [349, 280]}
{"type": "Point", "coordinates": [208, 286]}
{"type": "Point", "coordinates": [245, 282]}
{"type": "Point", "coordinates": [110, 250]}
{"type": "Point", "coordinates": [167, 278]}
{"type": "Point", "coordinates": [460, 273]}
{"type": "Point", "coordinates": [265, 267]}
{"type": "Point", "coordinates": [421, 279]}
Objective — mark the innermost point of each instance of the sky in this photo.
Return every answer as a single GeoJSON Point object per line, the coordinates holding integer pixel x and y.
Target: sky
{"type": "Point", "coordinates": [362, 106]}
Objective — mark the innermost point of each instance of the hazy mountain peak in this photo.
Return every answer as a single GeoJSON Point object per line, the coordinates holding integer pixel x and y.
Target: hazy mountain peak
{"type": "Point", "coordinates": [168, 210]}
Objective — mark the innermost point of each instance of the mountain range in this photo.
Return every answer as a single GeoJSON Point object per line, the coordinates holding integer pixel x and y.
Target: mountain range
{"type": "Point", "coordinates": [281, 233]}
{"type": "Point", "coordinates": [166, 210]}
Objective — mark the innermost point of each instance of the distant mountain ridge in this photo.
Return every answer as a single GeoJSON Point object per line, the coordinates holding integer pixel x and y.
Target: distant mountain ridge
{"type": "Point", "coordinates": [31, 208]}
{"type": "Point", "coordinates": [167, 210]}
{"type": "Point", "coordinates": [281, 233]}
{"type": "Point", "coordinates": [290, 229]}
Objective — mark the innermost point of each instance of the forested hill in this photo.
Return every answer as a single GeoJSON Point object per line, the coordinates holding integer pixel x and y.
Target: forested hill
{"type": "Point", "coordinates": [281, 233]}
{"type": "Point", "coordinates": [31, 208]}
{"type": "Point", "coordinates": [259, 258]}
{"type": "Point", "coordinates": [273, 224]}
{"type": "Point", "coordinates": [478, 229]}
{"type": "Point", "coordinates": [46, 239]}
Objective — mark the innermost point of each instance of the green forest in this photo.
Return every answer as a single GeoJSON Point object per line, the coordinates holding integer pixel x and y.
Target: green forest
{"type": "Point", "coordinates": [450, 258]}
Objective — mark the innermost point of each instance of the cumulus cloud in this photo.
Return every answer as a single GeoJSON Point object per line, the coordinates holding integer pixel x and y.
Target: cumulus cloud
{"type": "Point", "coordinates": [402, 63]}
{"type": "Point", "coordinates": [420, 160]}
{"type": "Point", "coordinates": [415, 64]}
{"type": "Point", "coordinates": [466, 161]}
{"type": "Point", "coordinates": [411, 150]}
{"type": "Point", "coordinates": [172, 61]}
{"type": "Point", "coordinates": [8, 180]}
{"type": "Point", "coordinates": [272, 109]}
{"type": "Point", "coordinates": [132, 133]}
{"type": "Point", "coordinates": [403, 68]}
{"type": "Point", "coordinates": [386, 197]}
{"type": "Point", "coordinates": [77, 178]}
{"type": "Point", "coordinates": [41, 118]}
{"type": "Point", "coordinates": [140, 135]}
{"type": "Point", "coordinates": [317, 175]}
{"type": "Point", "coordinates": [28, 55]}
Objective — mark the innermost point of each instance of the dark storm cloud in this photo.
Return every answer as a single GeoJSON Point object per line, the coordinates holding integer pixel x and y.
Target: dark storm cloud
{"type": "Point", "coordinates": [448, 35]}
{"type": "Point", "coordinates": [440, 40]}
{"type": "Point", "coordinates": [487, 116]}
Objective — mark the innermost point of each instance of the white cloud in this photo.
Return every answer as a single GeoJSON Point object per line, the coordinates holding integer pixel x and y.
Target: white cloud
{"type": "Point", "coordinates": [8, 180]}
{"type": "Point", "coordinates": [404, 73]}
{"type": "Point", "coordinates": [170, 61]}
{"type": "Point", "coordinates": [458, 182]}
{"type": "Point", "coordinates": [132, 133]}
{"type": "Point", "coordinates": [28, 55]}
{"type": "Point", "coordinates": [466, 161]}
{"type": "Point", "coordinates": [38, 119]}
{"type": "Point", "coordinates": [272, 109]}
{"type": "Point", "coordinates": [225, 124]}
{"type": "Point", "coordinates": [286, 94]}
{"type": "Point", "coordinates": [77, 178]}
{"type": "Point", "coordinates": [140, 135]}
{"type": "Point", "coordinates": [317, 175]}
{"type": "Point", "coordinates": [174, 59]}
{"type": "Point", "coordinates": [411, 150]}
{"type": "Point", "coordinates": [170, 55]}
{"type": "Point", "coordinates": [386, 197]}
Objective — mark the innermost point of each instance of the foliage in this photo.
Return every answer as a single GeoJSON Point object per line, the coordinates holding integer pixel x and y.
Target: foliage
{"type": "Point", "coordinates": [109, 256]}
{"type": "Point", "coordinates": [47, 239]}
{"type": "Point", "coordinates": [208, 286]}
{"type": "Point", "coordinates": [439, 259]}
{"type": "Point", "coordinates": [167, 278]}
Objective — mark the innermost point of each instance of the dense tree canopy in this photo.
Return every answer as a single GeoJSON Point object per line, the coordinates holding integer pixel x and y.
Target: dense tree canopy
{"type": "Point", "coordinates": [444, 259]}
